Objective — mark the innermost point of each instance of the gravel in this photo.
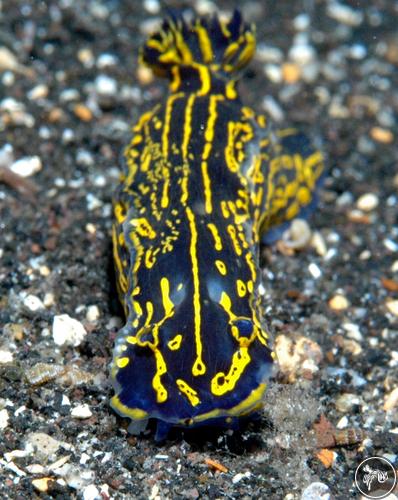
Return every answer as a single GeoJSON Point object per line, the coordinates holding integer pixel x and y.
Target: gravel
{"type": "Point", "coordinates": [70, 89]}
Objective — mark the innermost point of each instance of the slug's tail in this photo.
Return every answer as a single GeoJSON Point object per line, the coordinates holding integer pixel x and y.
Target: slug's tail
{"type": "Point", "coordinates": [225, 47]}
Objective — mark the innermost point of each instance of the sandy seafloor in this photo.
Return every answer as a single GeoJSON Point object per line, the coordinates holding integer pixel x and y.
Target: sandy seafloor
{"type": "Point", "coordinates": [70, 89]}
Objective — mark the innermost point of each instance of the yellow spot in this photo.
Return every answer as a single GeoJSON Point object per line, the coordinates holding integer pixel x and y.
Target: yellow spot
{"type": "Point", "coordinates": [225, 303]}
{"type": "Point", "coordinates": [167, 303]}
{"type": "Point", "coordinates": [161, 369]}
{"type": "Point", "coordinates": [232, 233]}
{"type": "Point", "coordinates": [247, 112]}
{"type": "Point", "coordinates": [136, 291]}
{"type": "Point", "coordinates": [222, 268]}
{"type": "Point", "coordinates": [217, 240]}
{"type": "Point", "coordinates": [120, 213]}
{"type": "Point", "coordinates": [136, 140]}
{"type": "Point", "coordinates": [230, 90]}
{"type": "Point", "coordinates": [241, 288]}
{"type": "Point", "coordinates": [205, 79]}
{"type": "Point", "coordinates": [190, 393]}
{"type": "Point", "coordinates": [150, 257]}
{"type": "Point", "coordinates": [252, 267]}
{"type": "Point", "coordinates": [176, 79]}
{"type": "Point", "coordinates": [122, 362]}
{"type": "Point", "coordinates": [222, 383]}
{"type": "Point", "coordinates": [198, 367]}
{"type": "Point", "coordinates": [250, 286]}
{"type": "Point", "coordinates": [224, 209]}
{"type": "Point", "coordinates": [137, 308]}
{"type": "Point", "coordinates": [175, 343]}
{"type": "Point", "coordinates": [143, 228]}
{"type": "Point", "coordinates": [303, 196]}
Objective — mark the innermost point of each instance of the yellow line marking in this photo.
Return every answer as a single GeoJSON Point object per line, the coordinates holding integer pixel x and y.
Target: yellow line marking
{"type": "Point", "coordinates": [167, 119]}
{"type": "Point", "coordinates": [199, 367]}
{"type": "Point", "coordinates": [190, 393]}
{"type": "Point", "coordinates": [187, 127]}
{"type": "Point", "coordinates": [175, 343]}
{"type": "Point", "coordinates": [167, 303]}
{"type": "Point", "coordinates": [217, 239]}
{"type": "Point", "coordinates": [222, 268]}
{"type": "Point", "coordinates": [122, 362]}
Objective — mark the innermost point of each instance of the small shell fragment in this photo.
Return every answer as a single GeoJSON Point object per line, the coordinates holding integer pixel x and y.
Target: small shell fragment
{"type": "Point", "coordinates": [392, 306]}
{"type": "Point", "coordinates": [81, 412]}
{"type": "Point", "coordinates": [391, 400]}
{"type": "Point", "coordinates": [27, 166]}
{"type": "Point", "coordinates": [367, 202]}
{"type": "Point", "coordinates": [339, 302]}
{"type": "Point", "coordinates": [68, 331]}
{"type": "Point", "coordinates": [382, 135]}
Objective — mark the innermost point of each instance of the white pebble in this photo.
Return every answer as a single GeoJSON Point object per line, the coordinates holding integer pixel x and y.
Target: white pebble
{"type": "Point", "coordinates": [152, 6]}
{"type": "Point", "coordinates": [8, 78]}
{"type": "Point", "coordinates": [4, 418]}
{"type": "Point", "coordinates": [105, 85]}
{"type": "Point", "coordinates": [91, 492]}
{"type": "Point", "coordinates": [272, 107]}
{"type": "Point", "coordinates": [69, 95]}
{"type": "Point", "coordinates": [33, 303]}
{"type": "Point", "coordinates": [353, 331]}
{"type": "Point", "coordinates": [99, 181]}
{"type": "Point", "coordinates": [27, 166]}
{"type": "Point", "coordinates": [394, 267]}
{"type": "Point", "coordinates": [318, 242]}
{"type": "Point", "coordinates": [342, 423]}
{"type": "Point", "coordinates": [268, 54]}
{"type": "Point", "coordinates": [49, 299]}
{"type": "Point", "coordinates": [8, 61]}
{"type": "Point", "coordinates": [392, 306]}
{"type": "Point", "coordinates": [302, 53]}
{"type": "Point", "coordinates": [314, 270]}
{"type": "Point", "coordinates": [38, 92]}
{"type": "Point", "coordinates": [68, 331]}
{"type": "Point", "coordinates": [84, 157]}
{"type": "Point", "coordinates": [316, 491]}
{"type": "Point", "coordinates": [391, 245]}
{"type": "Point", "coordinates": [6, 155]}
{"type": "Point", "coordinates": [81, 412]}
{"type": "Point", "coordinates": [93, 313]}
{"type": "Point", "coordinates": [106, 59]}
{"type": "Point", "coordinates": [367, 202]}
{"type": "Point", "coordinates": [5, 356]}
{"type": "Point", "coordinates": [301, 22]}
{"type": "Point", "coordinates": [358, 51]}
{"type": "Point", "coordinates": [273, 72]}
{"type": "Point", "coordinates": [344, 14]}
{"type": "Point", "coordinates": [68, 136]}
{"type": "Point", "coordinates": [238, 477]}
{"type": "Point", "coordinates": [93, 202]}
